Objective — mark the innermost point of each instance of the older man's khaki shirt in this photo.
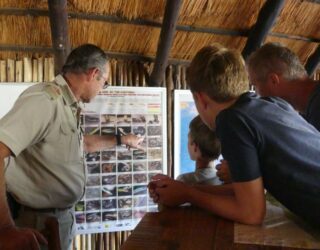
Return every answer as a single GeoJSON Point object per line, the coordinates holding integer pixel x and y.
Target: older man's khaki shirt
{"type": "Point", "coordinates": [42, 130]}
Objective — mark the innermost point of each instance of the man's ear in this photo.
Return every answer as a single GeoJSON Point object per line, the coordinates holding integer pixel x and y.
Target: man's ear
{"type": "Point", "coordinates": [273, 78]}
{"type": "Point", "coordinates": [93, 73]}
{"type": "Point", "coordinates": [201, 98]}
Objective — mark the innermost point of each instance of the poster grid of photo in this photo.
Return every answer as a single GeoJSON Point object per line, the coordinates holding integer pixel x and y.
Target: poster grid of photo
{"type": "Point", "coordinates": [116, 195]}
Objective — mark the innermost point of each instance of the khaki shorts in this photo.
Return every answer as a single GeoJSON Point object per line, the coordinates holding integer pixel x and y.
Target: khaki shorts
{"type": "Point", "coordinates": [36, 220]}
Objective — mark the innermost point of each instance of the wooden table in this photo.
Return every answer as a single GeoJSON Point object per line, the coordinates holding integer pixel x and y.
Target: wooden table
{"type": "Point", "coordinates": [186, 228]}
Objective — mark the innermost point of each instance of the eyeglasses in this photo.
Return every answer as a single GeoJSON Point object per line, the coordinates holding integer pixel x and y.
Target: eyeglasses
{"type": "Point", "coordinates": [106, 83]}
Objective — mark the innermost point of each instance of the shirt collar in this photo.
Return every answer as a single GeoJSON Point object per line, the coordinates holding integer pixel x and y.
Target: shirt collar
{"type": "Point", "coordinates": [66, 91]}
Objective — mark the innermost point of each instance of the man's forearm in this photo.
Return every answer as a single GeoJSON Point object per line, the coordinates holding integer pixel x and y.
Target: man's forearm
{"type": "Point", "coordinates": [226, 189]}
{"type": "Point", "coordinates": [93, 143]}
{"type": "Point", "coordinates": [5, 216]}
{"type": "Point", "coordinates": [247, 205]}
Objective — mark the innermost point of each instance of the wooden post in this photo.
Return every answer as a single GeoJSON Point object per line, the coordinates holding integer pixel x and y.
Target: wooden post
{"type": "Point", "coordinates": [124, 73]}
{"type": "Point", "coordinates": [40, 69]}
{"type": "Point", "coordinates": [114, 71]}
{"type": "Point", "coordinates": [3, 71]}
{"type": "Point", "coordinates": [19, 71]}
{"type": "Point", "coordinates": [27, 69]}
{"type": "Point", "coordinates": [46, 70]}
{"type": "Point", "coordinates": [10, 70]}
{"type": "Point", "coordinates": [183, 78]}
{"type": "Point", "coordinates": [59, 31]}
{"type": "Point", "coordinates": [51, 69]}
{"type": "Point", "coordinates": [34, 70]}
{"type": "Point", "coordinates": [177, 76]}
{"type": "Point", "coordinates": [170, 89]}
{"type": "Point", "coordinates": [266, 19]}
{"type": "Point", "coordinates": [135, 74]}
{"type": "Point", "coordinates": [313, 62]}
{"type": "Point", "coordinates": [165, 41]}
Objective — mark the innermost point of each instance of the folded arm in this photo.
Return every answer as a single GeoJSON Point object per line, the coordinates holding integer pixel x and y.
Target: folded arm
{"type": "Point", "coordinates": [246, 204]}
{"type": "Point", "coordinates": [12, 237]}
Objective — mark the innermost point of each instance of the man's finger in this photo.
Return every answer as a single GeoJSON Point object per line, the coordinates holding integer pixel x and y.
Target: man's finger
{"type": "Point", "coordinates": [160, 177]}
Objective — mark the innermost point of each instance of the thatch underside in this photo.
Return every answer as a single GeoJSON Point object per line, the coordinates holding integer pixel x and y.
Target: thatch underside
{"type": "Point", "coordinates": [298, 18]}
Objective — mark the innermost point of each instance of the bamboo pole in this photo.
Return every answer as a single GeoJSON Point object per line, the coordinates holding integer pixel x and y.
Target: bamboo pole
{"type": "Point", "coordinates": [46, 70]}
{"type": "Point", "coordinates": [83, 242]}
{"type": "Point", "coordinates": [3, 71]}
{"type": "Point", "coordinates": [19, 71]}
{"type": "Point", "coordinates": [177, 77]}
{"type": "Point", "coordinates": [27, 69]}
{"type": "Point", "coordinates": [135, 74]}
{"type": "Point", "coordinates": [51, 69]}
{"type": "Point", "coordinates": [113, 237]}
{"type": "Point", "coordinates": [40, 69]}
{"type": "Point", "coordinates": [129, 73]}
{"type": "Point", "coordinates": [119, 73]}
{"type": "Point", "coordinates": [170, 99]}
{"type": "Point", "coordinates": [110, 74]}
{"type": "Point", "coordinates": [35, 70]}
{"type": "Point", "coordinates": [124, 74]}
{"type": "Point", "coordinates": [140, 71]}
{"type": "Point", "coordinates": [11, 70]}
{"type": "Point", "coordinates": [114, 72]}
{"type": "Point", "coordinates": [183, 76]}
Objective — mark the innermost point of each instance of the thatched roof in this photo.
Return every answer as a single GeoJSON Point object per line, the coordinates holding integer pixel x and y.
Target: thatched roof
{"type": "Point", "coordinates": [133, 26]}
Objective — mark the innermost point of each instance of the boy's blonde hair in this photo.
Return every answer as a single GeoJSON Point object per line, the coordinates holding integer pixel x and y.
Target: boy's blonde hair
{"type": "Point", "coordinates": [204, 138]}
{"type": "Point", "coordinates": [219, 72]}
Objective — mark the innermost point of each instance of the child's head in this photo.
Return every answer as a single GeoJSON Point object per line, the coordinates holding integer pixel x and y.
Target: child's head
{"type": "Point", "coordinates": [218, 72]}
{"type": "Point", "coordinates": [202, 142]}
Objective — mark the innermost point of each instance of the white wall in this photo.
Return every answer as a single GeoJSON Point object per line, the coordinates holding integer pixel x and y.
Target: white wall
{"type": "Point", "coordinates": [9, 92]}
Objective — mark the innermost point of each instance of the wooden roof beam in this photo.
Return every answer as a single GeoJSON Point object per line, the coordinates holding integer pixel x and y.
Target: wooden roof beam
{"type": "Point", "coordinates": [313, 62]}
{"type": "Point", "coordinates": [59, 32]}
{"type": "Point", "coordinates": [265, 21]}
{"type": "Point", "coordinates": [168, 29]}
{"type": "Point", "coordinates": [117, 55]}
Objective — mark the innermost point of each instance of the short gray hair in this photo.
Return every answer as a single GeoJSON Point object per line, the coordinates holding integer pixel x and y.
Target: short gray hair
{"type": "Point", "coordinates": [275, 58]}
{"type": "Point", "coordinates": [85, 57]}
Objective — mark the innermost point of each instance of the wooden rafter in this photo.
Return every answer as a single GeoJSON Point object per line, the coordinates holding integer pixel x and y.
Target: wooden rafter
{"type": "Point", "coordinates": [266, 19]}
{"type": "Point", "coordinates": [313, 62]}
{"type": "Point", "coordinates": [168, 29]}
{"type": "Point", "coordinates": [116, 55]}
{"type": "Point", "coordinates": [59, 31]}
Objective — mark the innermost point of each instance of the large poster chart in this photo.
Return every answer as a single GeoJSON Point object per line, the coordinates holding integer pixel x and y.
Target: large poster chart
{"type": "Point", "coordinates": [116, 195]}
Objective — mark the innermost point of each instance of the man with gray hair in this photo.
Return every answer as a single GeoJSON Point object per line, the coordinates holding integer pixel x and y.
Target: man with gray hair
{"type": "Point", "coordinates": [46, 174]}
{"type": "Point", "coordinates": [275, 70]}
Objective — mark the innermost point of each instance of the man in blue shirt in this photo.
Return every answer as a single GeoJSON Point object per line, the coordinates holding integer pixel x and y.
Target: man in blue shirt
{"type": "Point", "coordinates": [275, 70]}
{"type": "Point", "coordinates": [266, 143]}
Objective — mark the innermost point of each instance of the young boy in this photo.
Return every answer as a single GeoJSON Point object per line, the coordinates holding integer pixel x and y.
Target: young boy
{"type": "Point", "coordinates": [266, 143]}
{"type": "Point", "coordinates": [203, 147]}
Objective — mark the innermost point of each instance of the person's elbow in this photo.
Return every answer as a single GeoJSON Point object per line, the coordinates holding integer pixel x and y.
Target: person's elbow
{"type": "Point", "coordinates": [253, 218]}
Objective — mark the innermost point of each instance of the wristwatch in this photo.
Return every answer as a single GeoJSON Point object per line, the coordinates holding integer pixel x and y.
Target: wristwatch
{"type": "Point", "coordinates": [118, 138]}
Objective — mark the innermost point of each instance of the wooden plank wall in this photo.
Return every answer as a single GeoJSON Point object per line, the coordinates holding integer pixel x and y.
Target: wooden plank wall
{"type": "Point", "coordinates": [39, 69]}
{"type": "Point", "coordinates": [123, 73]}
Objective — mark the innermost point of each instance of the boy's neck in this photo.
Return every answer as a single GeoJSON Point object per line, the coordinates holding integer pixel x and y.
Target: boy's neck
{"type": "Point", "coordinates": [202, 163]}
